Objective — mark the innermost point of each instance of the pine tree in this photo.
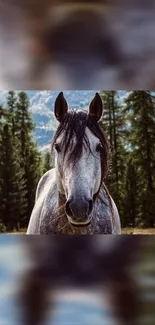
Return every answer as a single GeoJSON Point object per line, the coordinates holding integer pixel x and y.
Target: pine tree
{"type": "Point", "coordinates": [24, 122]}
{"type": "Point", "coordinates": [131, 199]}
{"type": "Point", "coordinates": [31, 160]}
{"type": "Point", "coordinates": [113, 124]}
{"type": "Point", "coordinates": [47, 162]}
{"type": "Point", "coordinates": [33, 172]}
{"type": "Point", "coordinates": [3, 116]}
{"type": "Point", "coordinates": [1, 157]}
{"type": "Point", "coordinates": [20, 162]}
{"type": "Point", "coordinates": [13, 202]}
{"type": "Point", "coordinates": [141, 106]}
{"type": "Point", "coordinates": [11, 109]}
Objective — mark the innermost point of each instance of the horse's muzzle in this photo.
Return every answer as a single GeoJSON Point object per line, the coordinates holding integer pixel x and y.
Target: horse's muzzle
{"type": "Point", "coordinates": [78, 211]}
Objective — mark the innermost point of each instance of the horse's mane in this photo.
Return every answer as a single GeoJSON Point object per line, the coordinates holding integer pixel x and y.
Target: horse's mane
{"type": "Point", "coordinates": [73, 125]}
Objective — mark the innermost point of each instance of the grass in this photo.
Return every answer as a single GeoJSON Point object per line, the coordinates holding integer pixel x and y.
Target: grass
{"type": "Point", "coordinates": [125, 231]}
{"type": "Point", "coordinates": [138, 231]}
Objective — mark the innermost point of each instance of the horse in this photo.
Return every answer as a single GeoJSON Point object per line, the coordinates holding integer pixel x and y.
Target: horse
{"type": "Point", "coordinates": [72, 197]}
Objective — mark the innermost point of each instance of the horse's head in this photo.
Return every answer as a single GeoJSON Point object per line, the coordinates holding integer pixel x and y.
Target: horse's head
{"type": "Point", "coordinates": [81, 157]}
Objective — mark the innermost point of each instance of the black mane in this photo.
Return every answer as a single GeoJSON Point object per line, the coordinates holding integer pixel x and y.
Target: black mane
{"type": "Point", "coordinates": [74, 125]}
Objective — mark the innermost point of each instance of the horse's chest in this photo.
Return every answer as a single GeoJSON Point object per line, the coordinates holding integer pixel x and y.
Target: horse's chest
{"type": "Point", "coordinates": [100, 224]}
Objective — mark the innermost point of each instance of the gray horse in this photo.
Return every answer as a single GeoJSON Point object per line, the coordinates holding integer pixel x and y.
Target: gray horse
{"type": "Point", "coordinates": [72, 198]}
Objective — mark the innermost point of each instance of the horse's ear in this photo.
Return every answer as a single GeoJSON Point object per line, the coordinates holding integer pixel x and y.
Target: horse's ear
{"type": "Point", "coordinates": [60, 107]}
{"type": "Point", "coordinates": [96, 107]}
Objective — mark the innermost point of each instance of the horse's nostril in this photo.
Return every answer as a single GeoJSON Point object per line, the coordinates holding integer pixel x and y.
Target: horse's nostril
{"type": "Point", "coordinates": [90, 206]}
{"type": "Point", "coordinates": [79, 209]}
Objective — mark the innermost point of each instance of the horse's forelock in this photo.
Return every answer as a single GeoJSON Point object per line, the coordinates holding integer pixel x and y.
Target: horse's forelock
{"type": "Point", "coordinates": [73, 127]}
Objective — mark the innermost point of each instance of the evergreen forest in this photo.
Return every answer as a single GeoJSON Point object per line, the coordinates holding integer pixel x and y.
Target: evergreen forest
{"type": "Point", "coordinates": [130, 127]}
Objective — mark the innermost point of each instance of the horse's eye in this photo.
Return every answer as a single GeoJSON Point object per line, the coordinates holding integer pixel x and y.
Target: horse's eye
{"type": "Point", "coordinates": [99, 148]}
{"type": "Point", "coordinates": [57, 148]}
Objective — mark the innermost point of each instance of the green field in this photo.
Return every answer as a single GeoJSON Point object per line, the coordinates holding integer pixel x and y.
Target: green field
{"type": "Point", "coordinates": [138, 231]}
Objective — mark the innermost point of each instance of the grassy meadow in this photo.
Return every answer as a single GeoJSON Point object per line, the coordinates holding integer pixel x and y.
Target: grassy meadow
{"type": "Point", "coordinates": [125, 231]}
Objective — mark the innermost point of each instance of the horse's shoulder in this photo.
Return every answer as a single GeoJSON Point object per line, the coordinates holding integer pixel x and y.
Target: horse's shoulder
{"type": "Point", "coordinates": [49, 176]}
{"type": "Point", "coordinates": [107, 199]}
{"type": "Point", "coordinates": [116, 217]}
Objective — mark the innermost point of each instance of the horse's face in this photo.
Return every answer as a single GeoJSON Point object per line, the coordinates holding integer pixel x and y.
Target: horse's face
{"type": "Point", "coordinates": [82, 181]}
{"type": "Point", "coordinates": [79, 168]}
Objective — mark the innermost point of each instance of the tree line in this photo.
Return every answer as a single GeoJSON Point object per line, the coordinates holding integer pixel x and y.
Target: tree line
{"type": "Point", "coordinates": [21, 163]}
{"type": "Point", "coordinates": [130, 128]}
